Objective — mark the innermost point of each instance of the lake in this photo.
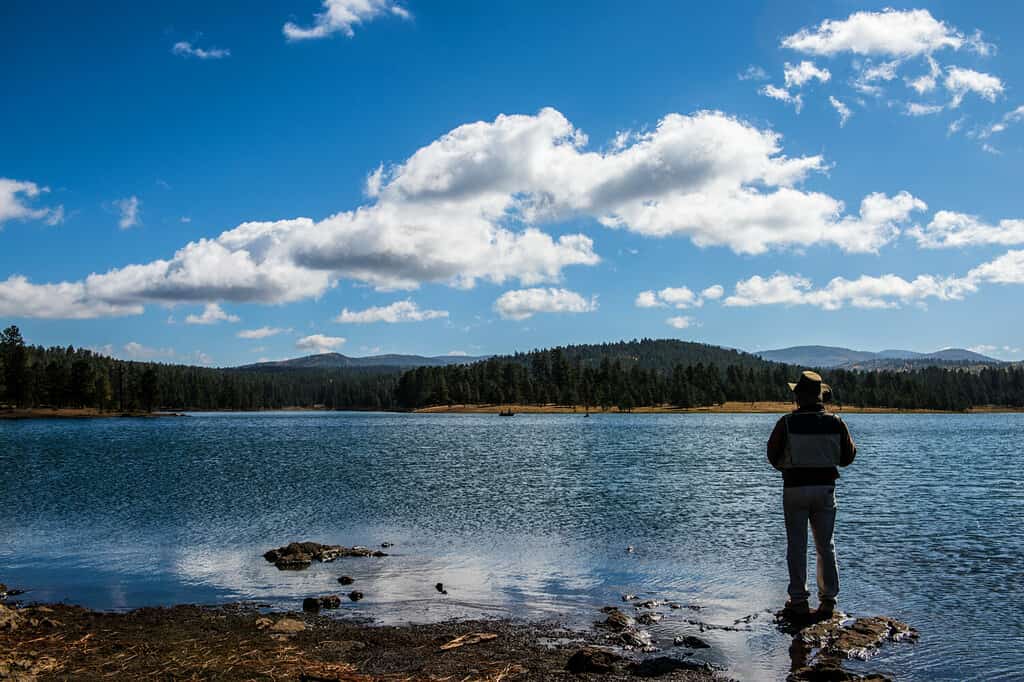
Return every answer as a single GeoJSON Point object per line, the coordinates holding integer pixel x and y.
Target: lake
{"type": "Point", "coordinates": [528, 517]}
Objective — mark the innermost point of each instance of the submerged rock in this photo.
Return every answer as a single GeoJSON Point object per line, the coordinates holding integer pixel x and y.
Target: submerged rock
{"type": "Point", "coordinates": [636, 639]}
{"type": "Point", "coordinates": [830, 672]}
{"type": "Point", "coordinates": [665, 665]}
{"type": "Point", "coordinates": [355, 595]}
{"type": "Point", "coordinates": [691, 642]}
{"type": "Point", "coordinates": [648, 618]}
{"type": "Point", "coordinates": [617, 620]}
{"type": "Point", "coordinates": [593, 660]}
{"type": "Point", "coordinates": [299, 555]}
{"type": "Point", "coordinates": [346, 580]}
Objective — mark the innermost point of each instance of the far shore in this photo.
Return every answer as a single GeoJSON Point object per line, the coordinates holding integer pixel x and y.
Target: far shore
{"type": "Point", "coordinates": [77, 413]}
{"type": "Point", "coordinates": [487, 408]}
{"type": "Point", "coordinates": [725, 408]}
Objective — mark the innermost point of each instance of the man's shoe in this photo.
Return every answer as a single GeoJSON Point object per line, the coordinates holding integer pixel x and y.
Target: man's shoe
{"type": "Point", "coordinates": [827, 607]}
{"type": "Point", "coordinates": [796, 608]}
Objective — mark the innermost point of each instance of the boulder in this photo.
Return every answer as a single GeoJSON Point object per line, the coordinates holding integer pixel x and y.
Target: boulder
{"type": "Point", "coordinates": [311, 604]}
{"type": "Point", "coordinates": [592, 660]}
{"type": "Point", "coordinates": [355, 595]}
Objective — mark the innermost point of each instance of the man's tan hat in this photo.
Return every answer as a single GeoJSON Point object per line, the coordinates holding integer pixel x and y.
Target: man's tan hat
{"type": "Point", "coordinates": [810, 383]}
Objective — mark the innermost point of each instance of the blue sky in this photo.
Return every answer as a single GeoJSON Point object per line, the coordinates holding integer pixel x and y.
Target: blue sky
{"type": "Point", "coordinates": [218, 183]}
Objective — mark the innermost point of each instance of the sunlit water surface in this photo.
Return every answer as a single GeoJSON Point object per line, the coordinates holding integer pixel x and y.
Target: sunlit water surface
{"type": "Point", "coordinates": [527, 517]}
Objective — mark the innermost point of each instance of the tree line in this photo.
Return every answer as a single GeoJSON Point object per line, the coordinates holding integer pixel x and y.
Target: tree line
{"type": "Point", "coordinates": [685, 376]}
{"type": "Point", "coordinates": [59, 377]}
{"type": "Point", "coordinates": [625, 375]}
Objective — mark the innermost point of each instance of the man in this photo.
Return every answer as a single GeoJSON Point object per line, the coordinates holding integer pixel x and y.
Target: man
{"type": "Point", "coordinates": [806, 446]}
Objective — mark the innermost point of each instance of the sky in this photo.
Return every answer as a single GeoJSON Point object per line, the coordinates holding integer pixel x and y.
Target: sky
{"type": "Point", "coordinates": [225, 183]}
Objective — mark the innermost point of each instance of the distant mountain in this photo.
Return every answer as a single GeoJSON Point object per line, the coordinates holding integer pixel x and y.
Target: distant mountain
{"type": "Point", "coordinates": [338, 361]}
{"type": "Point", "coordinates": [846, 358]}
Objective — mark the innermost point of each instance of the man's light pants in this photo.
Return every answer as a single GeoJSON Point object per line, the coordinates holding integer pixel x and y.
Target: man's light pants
{"type": "Point", "coordinates": [814, 504]}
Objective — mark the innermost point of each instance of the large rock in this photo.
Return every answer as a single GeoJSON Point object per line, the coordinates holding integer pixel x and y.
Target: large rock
{"type": "Point", "coordinates": [857, 639]}
{"type": "Point", "coordinates": [299, 555]}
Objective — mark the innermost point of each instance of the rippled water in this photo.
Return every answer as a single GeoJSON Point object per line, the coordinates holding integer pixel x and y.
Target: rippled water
{"type": "Point", "coordinates": [528, 517]}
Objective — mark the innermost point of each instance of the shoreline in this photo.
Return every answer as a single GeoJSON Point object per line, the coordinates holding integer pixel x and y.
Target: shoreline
{"type": "Point", "coordinates": [488, 408]}
{"type": "Point", "coordinates": [725, 408]}
{"type": "Point", "coordinates": [79, 413]}
{"type": "Point", "coordinates": [241, 641]}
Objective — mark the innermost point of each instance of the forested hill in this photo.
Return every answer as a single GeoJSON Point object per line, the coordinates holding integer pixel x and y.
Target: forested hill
{"type": "Point", "coordinates": [624, 375]}
{"type": "Point", "coordinates": [657, 354]}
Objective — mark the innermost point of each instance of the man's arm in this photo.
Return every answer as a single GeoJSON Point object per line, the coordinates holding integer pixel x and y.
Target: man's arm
{"type": "Point", "coordinates": [777, 444]}
{"type": "Point", "coordinates": [847, 449]}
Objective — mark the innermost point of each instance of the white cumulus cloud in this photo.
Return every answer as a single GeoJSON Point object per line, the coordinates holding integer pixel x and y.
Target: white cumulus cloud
{"type": "Point", "coordinates": [523, 303]}
{"type": "Point", "coordinates": [841, 109]}
{"type": "Point", "coordinates": [678, 297]}
{"type": "Point", "coordinates": [187, 49]}
{"type": "Point", "coordinates": [470, 206]}
{"type": "Point", "coordinates": [212, 314]}
{"type": "Point", "coordinates": [890, 33]}
{"type": "Point", "coordinates": [342, 16]}
{"type": "Point", "coordinates": [681, 322]}
{"type": "Point", "coordinates": [15, 196]}
{"type": "Point", "coordinates": [318, 343]}
{"type": "Point", "coordinates": [918, 109]}
{"type": "Point", "coordinates": [783, 95]}
{"type": "Point", "coordinates": [884, 291]}
{"type": "Point", "coordinates": [949, 229]}
{"type": "Point", "coordinates": [261, 332]}
{"type": "Point", "coordinates": [399, 311]}
{"type": "Point", "coordinates": [797, 74]}
{"type": "Point", "coordinates": [137, 351]}
{"type": "Point", "coordinates": [128, 208]}
{"type": "Point", "coordinates": [959, 82]}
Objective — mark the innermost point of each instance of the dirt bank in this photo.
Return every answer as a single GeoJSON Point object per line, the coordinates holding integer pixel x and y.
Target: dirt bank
{"type": "Point", "coordinates": [238, 642]}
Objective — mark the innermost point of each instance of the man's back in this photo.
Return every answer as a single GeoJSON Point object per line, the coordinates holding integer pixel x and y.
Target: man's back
{"type": "Point", "coordinates": [810, 421]}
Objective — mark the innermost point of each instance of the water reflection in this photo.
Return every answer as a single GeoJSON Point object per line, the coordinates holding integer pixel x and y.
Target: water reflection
{"type": "Point", "coordinates": [526, 517]}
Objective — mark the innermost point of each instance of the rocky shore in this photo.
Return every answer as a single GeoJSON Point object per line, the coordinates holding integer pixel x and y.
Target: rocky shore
{"type": "Point", "coordinates": [249, 641]}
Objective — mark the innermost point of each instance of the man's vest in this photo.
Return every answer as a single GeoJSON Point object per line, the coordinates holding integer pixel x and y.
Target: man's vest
{"type": "Point", "coordinates": [814, 444]}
